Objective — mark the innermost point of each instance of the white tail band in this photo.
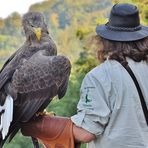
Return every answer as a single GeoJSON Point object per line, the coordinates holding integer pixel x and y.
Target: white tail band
{"type": "Point", "coordinates": [7, 116]}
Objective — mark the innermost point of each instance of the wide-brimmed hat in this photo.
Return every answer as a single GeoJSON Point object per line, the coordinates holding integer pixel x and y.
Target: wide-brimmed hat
{"type": "Point", "coordinates": [123, 25]}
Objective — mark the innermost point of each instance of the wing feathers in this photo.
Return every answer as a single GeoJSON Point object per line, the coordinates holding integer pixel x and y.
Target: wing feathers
{"type": "Point", "coordinates": [27, 110]}
{"type": "Point", "coordinates": [36, 82]}
{"type": "Point", "coordinates": [49, 76]}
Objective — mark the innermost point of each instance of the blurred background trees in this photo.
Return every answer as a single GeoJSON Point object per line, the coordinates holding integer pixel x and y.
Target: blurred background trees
{"type": "Point", "coordinates": [72, 25]}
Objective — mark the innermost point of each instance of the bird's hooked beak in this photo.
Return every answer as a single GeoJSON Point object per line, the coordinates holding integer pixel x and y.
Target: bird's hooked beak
{"type": "Point", "coordinates": [37, 32]}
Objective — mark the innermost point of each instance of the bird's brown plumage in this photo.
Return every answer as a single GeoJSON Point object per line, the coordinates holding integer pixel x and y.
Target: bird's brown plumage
{"type": "Point", "coordinates": [37, 81]}
{"type": "Point", "coordinates": [34, 74]}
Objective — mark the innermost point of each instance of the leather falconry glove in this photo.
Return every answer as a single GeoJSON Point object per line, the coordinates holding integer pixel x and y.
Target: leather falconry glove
{"type": "Point", "coordinates": [52, 131]}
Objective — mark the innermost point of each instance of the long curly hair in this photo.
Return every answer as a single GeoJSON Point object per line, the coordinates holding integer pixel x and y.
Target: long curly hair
{"type": "Point", "coordinates": [115, 50]}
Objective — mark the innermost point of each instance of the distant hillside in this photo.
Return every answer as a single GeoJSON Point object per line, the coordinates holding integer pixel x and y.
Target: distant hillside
{"type": "Point", "coordinates": [67, 11]}
{"type": "Point", "coordinates": [66, 19]}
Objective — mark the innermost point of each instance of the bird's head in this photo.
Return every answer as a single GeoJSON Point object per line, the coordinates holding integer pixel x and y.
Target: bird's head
{"type": "Point", "coordinates": [34, 25]}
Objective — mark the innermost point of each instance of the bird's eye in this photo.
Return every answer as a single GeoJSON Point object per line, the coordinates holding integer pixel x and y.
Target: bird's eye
{"type": "Point", "coordinates": [32, 25]}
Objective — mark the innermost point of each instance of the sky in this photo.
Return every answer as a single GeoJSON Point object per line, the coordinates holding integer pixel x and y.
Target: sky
{"type": "Point", "coordinates": [9, 6]}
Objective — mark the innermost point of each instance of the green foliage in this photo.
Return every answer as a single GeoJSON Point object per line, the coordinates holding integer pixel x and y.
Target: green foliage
{"type": "Point", "coordinates": [66, 106]}
{"type": "Point", "coordinates": [20, 142]}
{"type": "Point", "coordinates": [85, 62]}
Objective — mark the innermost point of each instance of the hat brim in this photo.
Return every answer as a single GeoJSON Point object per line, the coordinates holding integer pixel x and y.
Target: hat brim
{"type": "Point", "coordinates": [109, 34]}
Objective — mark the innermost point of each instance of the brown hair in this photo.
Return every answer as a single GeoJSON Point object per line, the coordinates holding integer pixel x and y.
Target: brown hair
{"type": "Point", "coordinates": [115, 50]}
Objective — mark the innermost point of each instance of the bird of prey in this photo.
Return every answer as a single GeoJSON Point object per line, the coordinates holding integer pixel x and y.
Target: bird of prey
{"type": "Point", "coordinates": [31, 77]}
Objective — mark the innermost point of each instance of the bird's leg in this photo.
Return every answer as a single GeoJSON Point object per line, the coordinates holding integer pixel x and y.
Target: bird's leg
{"type": "Point", "coordinates": [45, 113]}
{"type": "Point", "coordinates": [35, 142]}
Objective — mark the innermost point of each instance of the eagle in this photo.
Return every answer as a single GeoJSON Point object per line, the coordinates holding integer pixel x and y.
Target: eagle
{"type": "Point", "coordinates": [31, 77]}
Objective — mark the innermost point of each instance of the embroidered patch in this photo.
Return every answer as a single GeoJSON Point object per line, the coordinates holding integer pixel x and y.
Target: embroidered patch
{"type": "Point", "coordinates": [87, 96]}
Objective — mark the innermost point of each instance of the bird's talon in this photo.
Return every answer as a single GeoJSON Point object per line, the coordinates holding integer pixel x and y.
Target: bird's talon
{"type": "Point", "coordinates": [45, 113]}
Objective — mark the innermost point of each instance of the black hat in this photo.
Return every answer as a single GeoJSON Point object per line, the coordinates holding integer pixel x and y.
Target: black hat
{"type": "Point", "coordinates": [124, 24]}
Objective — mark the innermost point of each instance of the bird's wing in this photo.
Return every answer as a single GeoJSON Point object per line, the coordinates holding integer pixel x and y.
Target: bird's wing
{"type": "Point", "coordinates": [36, 82]}
{"type": "Point", "coordinates": [8, 68]}
{"type": "Point", "coordinates": [7, 61]}
{"type": "Point", "coordinates": [10, 58]}
{"type": "Point", "coordinates": [6, 73]}
{"type": "Point", "coordinates": [62, 65]}
{"type": "Point", "coordinates": [25, 52]}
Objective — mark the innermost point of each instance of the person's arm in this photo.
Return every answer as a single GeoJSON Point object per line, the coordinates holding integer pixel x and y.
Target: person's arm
{"type": "Point", "coordinates": [81, 135]}
{"type": "Point", "coordinates": [93, 111]}
{"type": "Point", "coordinates": [39, 128]}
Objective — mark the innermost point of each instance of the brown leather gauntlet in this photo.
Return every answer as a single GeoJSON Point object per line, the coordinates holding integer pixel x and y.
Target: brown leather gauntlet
{"type": "Point", "coordinates": [52, 131]}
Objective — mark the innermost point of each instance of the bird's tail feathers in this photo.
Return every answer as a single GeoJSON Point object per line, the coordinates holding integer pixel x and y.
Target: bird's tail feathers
{"type": "Point", "coordinates": [14, 128]}
{"type": "Point", "coordinates": [6, 115]}
{"type": "Point", "coordinates": [14, 131]}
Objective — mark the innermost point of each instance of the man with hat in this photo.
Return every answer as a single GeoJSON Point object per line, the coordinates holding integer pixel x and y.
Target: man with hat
{"type": "Point", "coordinates": [112, 111]}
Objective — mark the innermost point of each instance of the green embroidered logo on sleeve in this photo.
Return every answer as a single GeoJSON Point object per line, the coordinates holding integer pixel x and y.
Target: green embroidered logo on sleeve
{"type": "Point", "coordinates": [87, 99]}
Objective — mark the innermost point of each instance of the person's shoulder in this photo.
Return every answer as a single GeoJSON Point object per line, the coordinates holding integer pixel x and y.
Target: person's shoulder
{"type": "Point", "coordinates": [104, 67]}
{"type": "Point", "coordinates": [104, 71]}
